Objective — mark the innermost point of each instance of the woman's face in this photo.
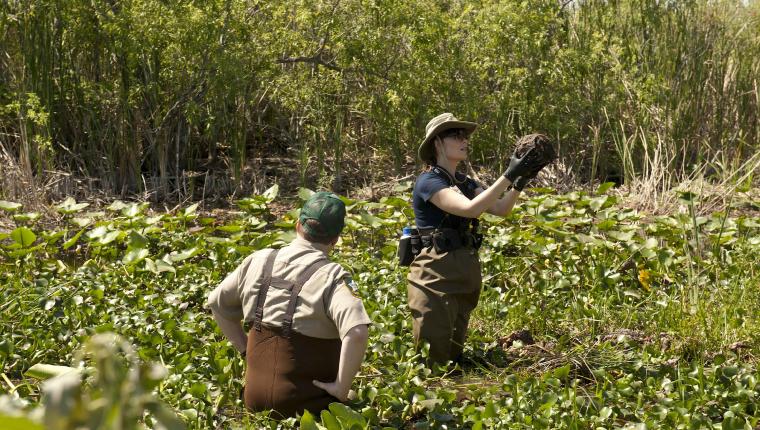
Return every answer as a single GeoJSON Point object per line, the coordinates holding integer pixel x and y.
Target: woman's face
{"type": "Point", "coordinates": [454, 144]}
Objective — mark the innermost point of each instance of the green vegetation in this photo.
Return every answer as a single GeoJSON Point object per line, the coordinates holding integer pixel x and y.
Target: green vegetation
{"type": "Point", "coordinates": [177, 98]}
{"type": "Point", "coordinates": [594, 315]}
{"type": "Point", "coordinates": [634, 320]}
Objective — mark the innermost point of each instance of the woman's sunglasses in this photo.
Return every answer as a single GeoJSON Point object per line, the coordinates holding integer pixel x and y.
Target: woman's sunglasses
{"type": "Point", "coordinates": [458, 133]}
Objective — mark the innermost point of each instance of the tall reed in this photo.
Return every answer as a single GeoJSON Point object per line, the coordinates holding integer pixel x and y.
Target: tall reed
{"type": "Point", "coordinates": [152, 94]}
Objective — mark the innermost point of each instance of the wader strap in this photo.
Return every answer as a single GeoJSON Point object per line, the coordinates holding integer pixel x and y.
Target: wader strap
{"type": "Point", "coordinates": [287, 323]}
{"type": "Point", "coordinates": [265, 283]}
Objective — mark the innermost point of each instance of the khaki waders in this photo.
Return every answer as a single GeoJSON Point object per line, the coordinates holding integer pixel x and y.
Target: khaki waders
{"type": "Point", "coordinates": [443, 290]}
{"type": "Point", "coordinates": [281, 364]}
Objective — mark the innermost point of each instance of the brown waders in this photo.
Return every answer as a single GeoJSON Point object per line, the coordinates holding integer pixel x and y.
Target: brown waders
{"type": "Point", "coordinates": [281, 364]}
{"type": "Point", "coordinates": [443, 290]}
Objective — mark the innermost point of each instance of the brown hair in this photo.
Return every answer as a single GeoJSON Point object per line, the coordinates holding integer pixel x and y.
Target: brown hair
{"type": "Point", "coordinates": [316, 226]}
{"type": "Point", "coordinates": [429, 163]}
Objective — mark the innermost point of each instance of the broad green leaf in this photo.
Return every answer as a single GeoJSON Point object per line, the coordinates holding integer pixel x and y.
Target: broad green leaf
{"type": "Point", "coordinates": [18, 423]}
{"type": "Point", "coordinates": [606, 224]}
{"type": "Point", "coordinates": [166, 415]}
{"type": "Point", "coordinates": [489, 411]}
{"type": "Point", "coordinates": [159, 266]}
{"type": "Point", "coordinates": [26, 217]}
{"type": "Point", "coordinates": [305, 193]}
{"type": "Point", "coordinates": [329, 421]}
{"type": "Point", "coordinates": [583, 238]}
{"type": "Point", "coordinates": [52, 237]}
{"type": "Point", "coordinates": [271, 193]}
{"type": "Point", "coordinates": [154, 219]}
{"type": "Point", "coordinates": [734, 423]}
{"type": "Point", "coordinates": [133, 210]}
{"type": "Point", "coordinates": [184, 255]}
{"type": "Point", "coordinates": [137, 240]}
{"type": "Point", "coordinates": [562, 372]}
{"type": "Point", "coordinates": [650, 243]}
{"type": "Point", "coordinates": [9, 206]}
{"type": "Point", "coordinates": [604, 187]}
{"type": "Point", "coordinates": [23, 236]}
{"type": "Point", "coordinates": [135, 256]}
{"type": "Point", "coordinates": [687, 197]}
{"type": "Point", "coordinates": [81, 222]}
{"type": "Point", "coordinates": [117, 205]}
{"type": "Point", "coordinates": [70, 206]}
{"type": "Point", "coordinates": [6, 346]}
{"type": "Point", "coordinates": [286, 236]}
{"type": "Point", "coordinates": [598, 202]}
{"type": "Point", "coordinates": [307, 422]}
{"type": "Point", "coordinates": [371, 220]}
{"type": "Point", "coordinates": [97, 232]}
{"type": "Point", "coordinates": [396, 202]}
{"type": "Point", "coordinates": [45, 371]}
{"type": "Point", "coordinates": [220, 240]}
{"type": "Point", "coordinates": [110, 237]}
{"type": "Point", "coordinates": [430, 404]}
{"type": "Point", "coordinates": [623, 236]}
{"type": "Point", "coordinates": [190, 210]}
{"type": "Point", "coordinates": [231, 228]}
{"type": "Point", "coordinates": [71, 242]}
{"type": "Point", "coordinates": [549, 203]}
{"type": "Point", "coordinates": [605, 413]}
{"type": "Point", "coordinates": [345, 415]}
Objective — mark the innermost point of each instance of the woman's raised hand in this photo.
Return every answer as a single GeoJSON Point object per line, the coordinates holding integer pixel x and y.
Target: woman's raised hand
{"type": "Point", "coordinates": [519, 167]}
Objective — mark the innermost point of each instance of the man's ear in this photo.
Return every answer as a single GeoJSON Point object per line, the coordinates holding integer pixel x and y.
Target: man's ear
{"type": "Point", "coordinates": [335, 241]}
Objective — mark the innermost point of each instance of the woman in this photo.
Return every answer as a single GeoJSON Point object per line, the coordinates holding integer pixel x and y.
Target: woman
{"type": "Point", "coordinates": [444, 278]}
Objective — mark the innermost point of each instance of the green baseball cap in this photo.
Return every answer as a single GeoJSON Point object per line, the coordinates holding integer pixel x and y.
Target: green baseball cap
{"type": "Point", "coordinates": [326, 208]}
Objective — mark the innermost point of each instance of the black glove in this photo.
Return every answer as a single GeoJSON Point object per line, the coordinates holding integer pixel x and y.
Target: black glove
{"type": "Point", "coordinates": [519, 167]}
{"type": "Point", "coordinates": [521, 182]}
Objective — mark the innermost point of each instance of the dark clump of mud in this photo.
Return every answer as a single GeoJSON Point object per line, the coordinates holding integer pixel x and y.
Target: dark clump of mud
{"type": "Point", "coordinates": [540, 146]}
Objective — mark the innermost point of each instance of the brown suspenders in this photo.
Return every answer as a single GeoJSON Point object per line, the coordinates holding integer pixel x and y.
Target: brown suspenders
{"type": "Point", "coordinates": [287, 323]}
{"type": "Point", "coordinates": [265, 283]}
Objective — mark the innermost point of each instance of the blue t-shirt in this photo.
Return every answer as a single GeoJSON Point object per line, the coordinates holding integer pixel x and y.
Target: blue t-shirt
{"type": "Point", "coordinates": [428, 215]}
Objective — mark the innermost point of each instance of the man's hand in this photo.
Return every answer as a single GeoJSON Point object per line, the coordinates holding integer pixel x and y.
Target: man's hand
{"type": "Point", "coordinates": [352, 349]}
{"type": "Point", "coordinates": [334, 389]}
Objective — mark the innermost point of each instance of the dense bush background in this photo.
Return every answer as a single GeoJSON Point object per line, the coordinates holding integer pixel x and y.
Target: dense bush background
{"type": "Point", "coordinates": [179, 97]}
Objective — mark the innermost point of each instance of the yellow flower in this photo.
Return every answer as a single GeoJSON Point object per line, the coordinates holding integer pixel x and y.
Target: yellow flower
{"type": "Point", "coordinates": [645, 278]}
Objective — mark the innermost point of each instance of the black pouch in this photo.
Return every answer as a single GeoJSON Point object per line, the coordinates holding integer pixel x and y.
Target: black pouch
{"type": "Point", "coordinates": [446, 240]}
{"type": "Point", "coordinates": [408, 248]}
{"type": "Point", "coordinates": [477, 240]}
{"type": "Point", "coordinates": [416, 244]}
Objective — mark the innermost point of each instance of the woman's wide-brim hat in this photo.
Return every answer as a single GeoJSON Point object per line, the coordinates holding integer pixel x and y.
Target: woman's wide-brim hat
{"type": "Point", "coordinates": [441, 123]}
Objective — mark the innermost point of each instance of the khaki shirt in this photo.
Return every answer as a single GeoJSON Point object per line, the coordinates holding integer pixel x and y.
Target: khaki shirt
{"type": "Point", "coordinates": [326, 307]}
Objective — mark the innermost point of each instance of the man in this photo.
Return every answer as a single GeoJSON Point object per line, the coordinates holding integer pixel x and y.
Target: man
{"type": "Point", "coordinates": [308, 330]}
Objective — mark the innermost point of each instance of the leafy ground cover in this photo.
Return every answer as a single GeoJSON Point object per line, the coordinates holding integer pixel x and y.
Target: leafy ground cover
{"type": "Point", "coordinates": [591, 316]}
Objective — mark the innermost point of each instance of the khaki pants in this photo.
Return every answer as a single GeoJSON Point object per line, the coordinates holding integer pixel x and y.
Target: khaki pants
{"type": "Point", "coordinates": [443, 290]}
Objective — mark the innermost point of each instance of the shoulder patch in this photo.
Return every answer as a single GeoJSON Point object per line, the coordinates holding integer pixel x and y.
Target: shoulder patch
{"type": "Point", "coordinates": [352, 286]}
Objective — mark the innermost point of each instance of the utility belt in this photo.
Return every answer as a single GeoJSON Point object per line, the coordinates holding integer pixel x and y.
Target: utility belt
{"type": "Point", "coordinates": [449, 239]}
{"type": "Point", "coordinates": [441, 239]}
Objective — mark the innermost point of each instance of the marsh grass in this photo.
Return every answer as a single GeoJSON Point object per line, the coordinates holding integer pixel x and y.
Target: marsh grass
{"type": "Point", "coordinates": [144, 98]}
